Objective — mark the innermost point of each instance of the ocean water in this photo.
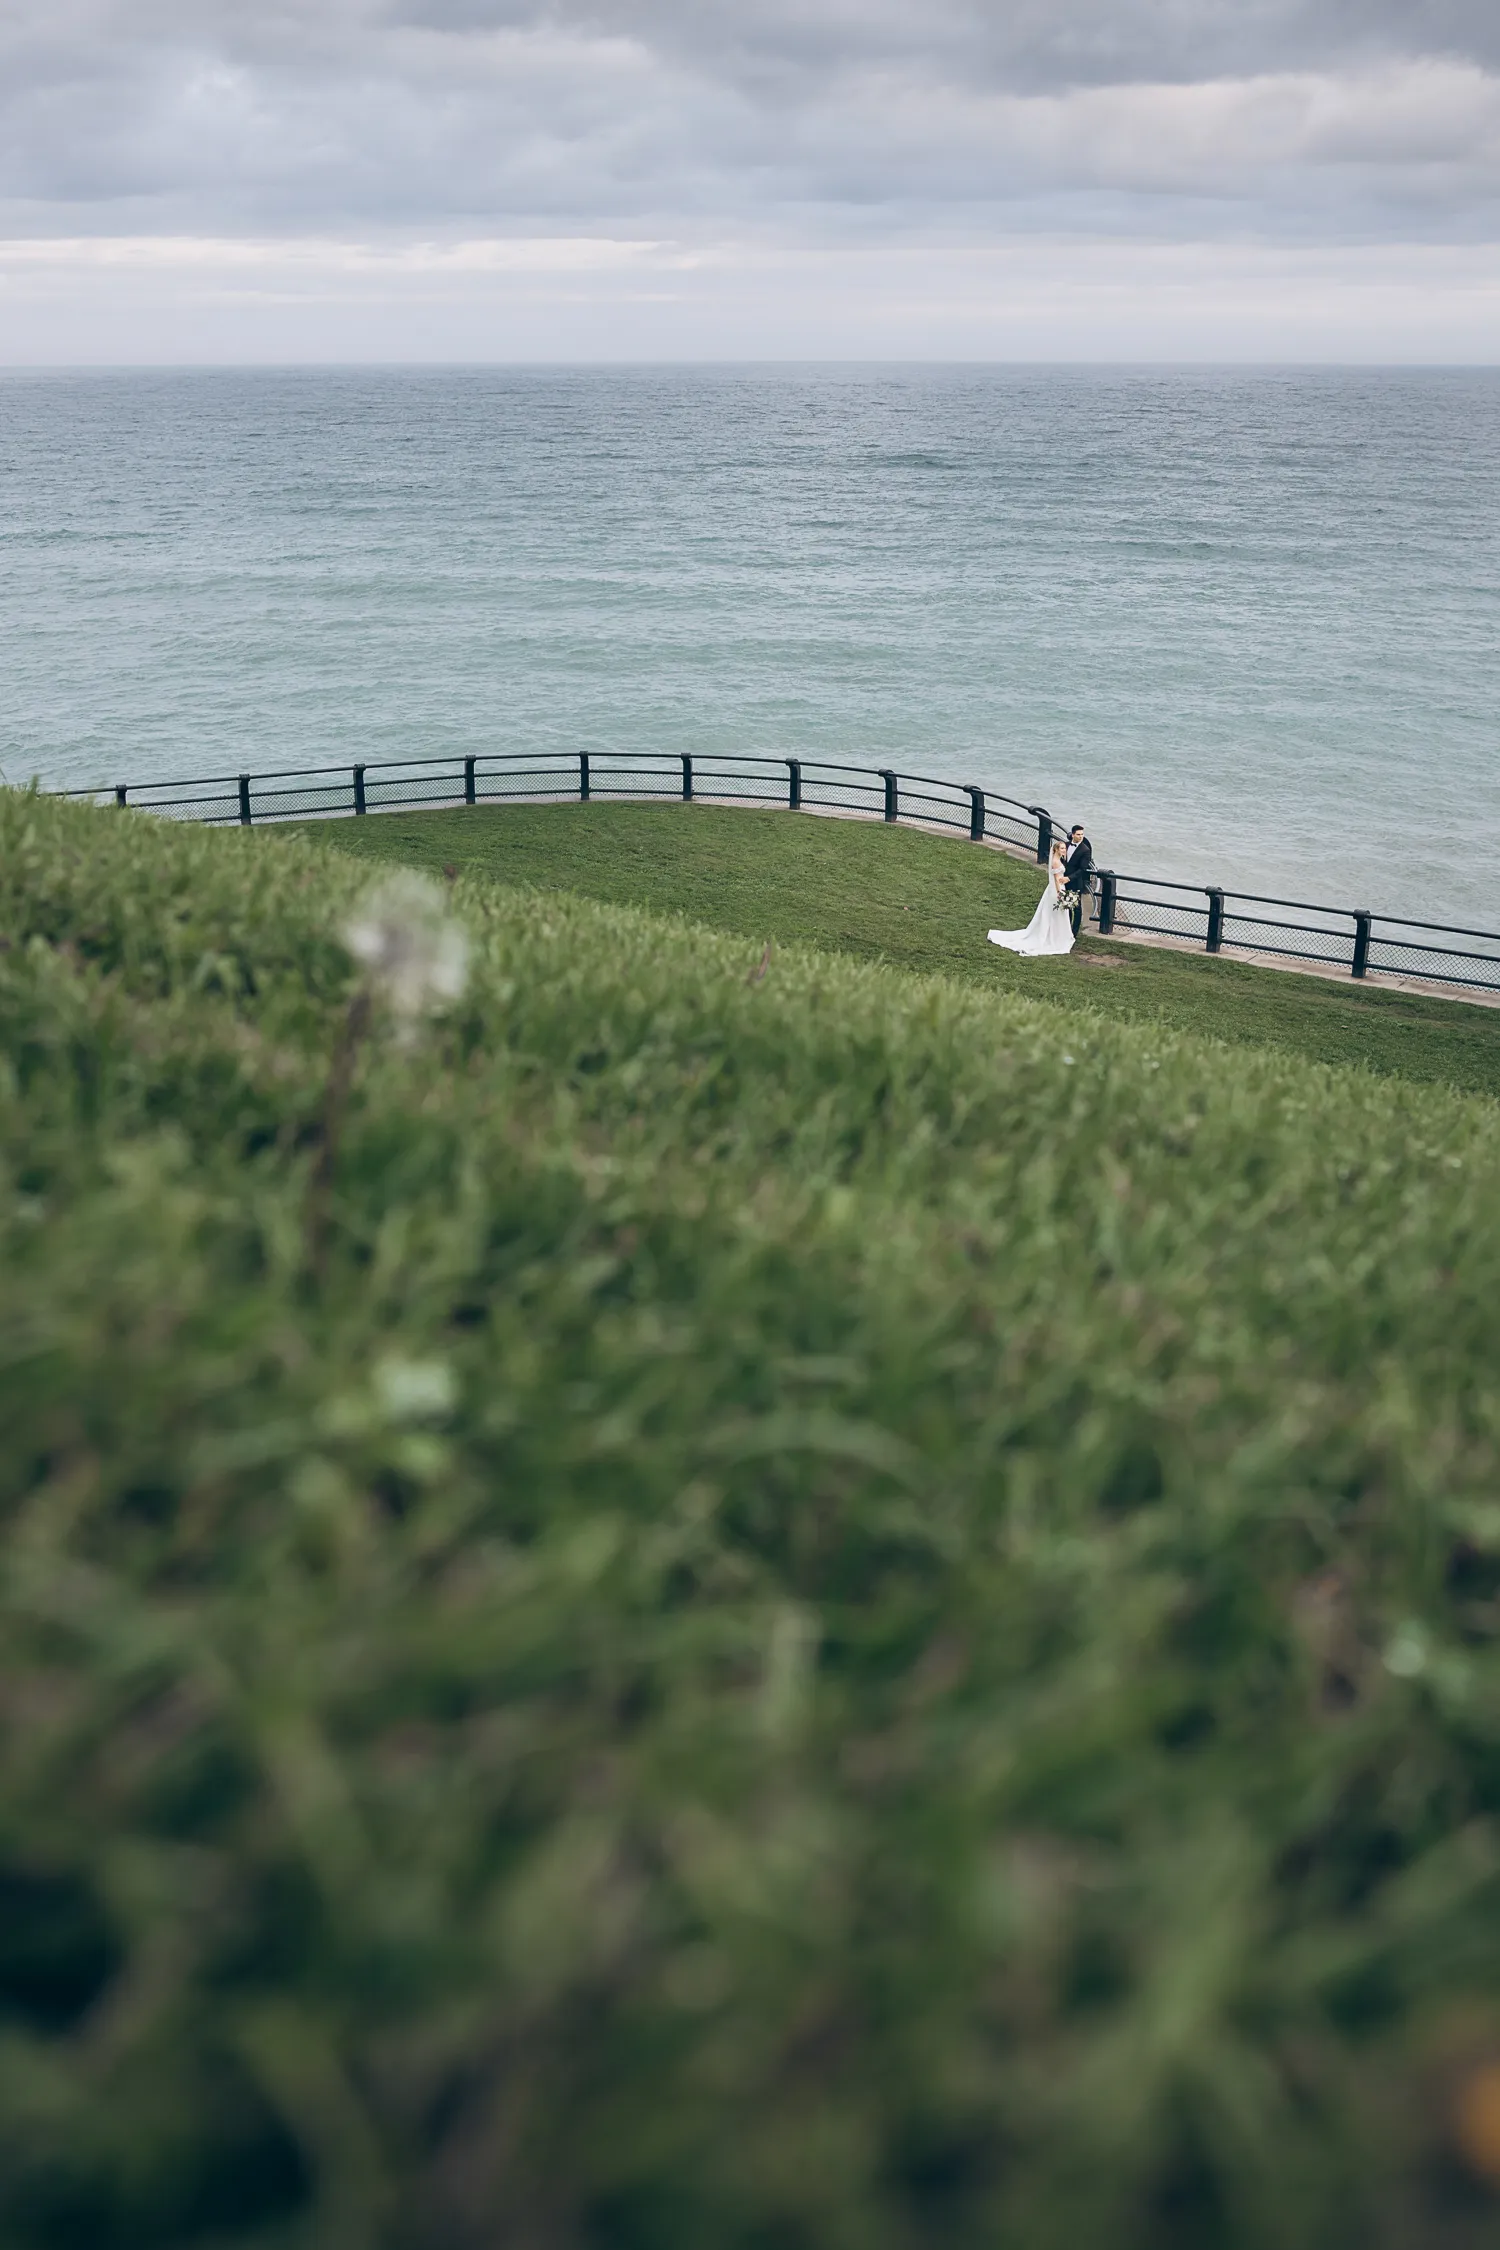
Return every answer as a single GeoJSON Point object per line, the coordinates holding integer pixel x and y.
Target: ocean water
{"type": "Point", "coordinates": [1242, 622]}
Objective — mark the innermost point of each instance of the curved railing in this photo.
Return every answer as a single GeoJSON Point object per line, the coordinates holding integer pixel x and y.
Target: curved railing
{"type": "Point", "coordinates": [1205, 917]}
{"type": "Point", "coordinates": [808, 784]}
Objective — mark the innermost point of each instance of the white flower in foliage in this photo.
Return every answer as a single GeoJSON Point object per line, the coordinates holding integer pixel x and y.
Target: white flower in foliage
{"type": "Point", "coordinates": [415, 954]}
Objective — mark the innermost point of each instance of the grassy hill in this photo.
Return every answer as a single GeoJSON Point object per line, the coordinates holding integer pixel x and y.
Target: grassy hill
{"type": "Point", "coordinates": [701, 1606]}
{"type": "Point", "coordinates": [922, 902]}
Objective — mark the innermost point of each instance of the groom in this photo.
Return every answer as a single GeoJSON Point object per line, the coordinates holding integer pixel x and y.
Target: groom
{"type": "Point", "coordinates": [1078, 874]}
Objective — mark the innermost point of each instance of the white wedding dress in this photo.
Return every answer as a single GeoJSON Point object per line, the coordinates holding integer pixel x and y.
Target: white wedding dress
{"type": "Point", "coordinates": [1050, 929]}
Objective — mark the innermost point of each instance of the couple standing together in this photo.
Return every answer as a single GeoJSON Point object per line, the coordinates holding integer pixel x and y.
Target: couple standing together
{"type": "Point", "coordinates": [1059, 914]}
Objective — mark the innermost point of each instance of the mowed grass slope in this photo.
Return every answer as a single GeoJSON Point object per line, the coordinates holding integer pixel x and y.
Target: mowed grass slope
{"type": "Point", "coordinates": [835, 1610]}
{"type": "Point", "coordinates": [923, 902]}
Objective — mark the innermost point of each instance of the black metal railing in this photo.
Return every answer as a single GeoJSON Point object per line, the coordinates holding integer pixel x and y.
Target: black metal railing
{"type": "Point", "coordinates": [1354, 940]}
{"type": "Point", "coordinates": [802, 784]}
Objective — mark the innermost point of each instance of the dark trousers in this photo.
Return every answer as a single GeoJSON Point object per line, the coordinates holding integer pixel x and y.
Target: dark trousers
{"type": "Point", "coordinates": [1077, 917]}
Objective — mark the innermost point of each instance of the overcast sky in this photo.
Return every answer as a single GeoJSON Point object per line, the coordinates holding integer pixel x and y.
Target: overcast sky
{"type": "Point", "coordinates": [504, 179]}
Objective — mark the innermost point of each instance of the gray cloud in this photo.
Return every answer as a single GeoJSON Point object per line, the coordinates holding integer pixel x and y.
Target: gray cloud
{"type": "Point", "coordinates": [1348, 119]}
{"type": "Point", "coordinates": [1029, 46]}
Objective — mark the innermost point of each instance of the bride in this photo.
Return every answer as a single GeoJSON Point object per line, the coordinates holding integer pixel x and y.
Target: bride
{"type": "Point", "coordinates": [1050, 929]}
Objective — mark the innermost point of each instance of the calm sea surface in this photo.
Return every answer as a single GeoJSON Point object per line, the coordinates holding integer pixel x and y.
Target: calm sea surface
{"type": "Point", "coordinates": [1243, 622]}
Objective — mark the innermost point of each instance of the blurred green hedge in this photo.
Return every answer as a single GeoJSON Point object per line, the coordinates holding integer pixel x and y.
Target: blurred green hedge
{"type": "Point", "coordinates": [845, 1614]}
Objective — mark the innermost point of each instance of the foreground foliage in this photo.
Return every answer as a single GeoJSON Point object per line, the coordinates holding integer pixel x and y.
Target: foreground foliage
{"type": "Point", "coordinates": [837, 1612]}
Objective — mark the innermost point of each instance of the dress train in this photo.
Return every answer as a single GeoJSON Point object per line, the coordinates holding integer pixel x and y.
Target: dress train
{"type": "Point", "coordinates": [1050, 929]}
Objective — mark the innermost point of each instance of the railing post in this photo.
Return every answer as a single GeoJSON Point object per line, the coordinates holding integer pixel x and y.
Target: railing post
{"type": "Point", "coordinates": [892, 807]}
{"type": "Point", "coordinates": [583, 777]}
{"type": "Point", "coordinates": [794, 784]}
{"type": "Point", "coordinates": [244, 800]}
{"type": "Point", "coordinates": [120, 788]}
{"type": "Point", "coordinates": [687, 780]}
{"type": "Point", "coordinates": [976, 812]}
{"type": "Point", "coordinates": [468, 781]}
{"type": "Point", "coordinates": [359, 789]}
{"type": "Point", "coordinates": [1361, 960]}
{"type": "Point", "coordinates": [1106, 902]}
{"type": "Point", "coordinates": [1043, 832]}
{"type": "Point", "coordinates": [1215, 918]}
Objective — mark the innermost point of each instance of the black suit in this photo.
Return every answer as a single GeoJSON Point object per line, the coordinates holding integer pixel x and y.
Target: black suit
{"type": "Point", "coordinates": [1078, 874]}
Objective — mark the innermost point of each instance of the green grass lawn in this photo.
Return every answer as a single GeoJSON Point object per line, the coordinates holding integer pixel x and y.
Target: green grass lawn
{"type": "Point", "coordinates": [811, 1610]}
{"type": "Point", "coordinates": [921, 902]}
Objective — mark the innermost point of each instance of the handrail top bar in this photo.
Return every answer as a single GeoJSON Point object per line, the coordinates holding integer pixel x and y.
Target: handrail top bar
{"type": "Point", "coordinates": [1258, 898]}
{"type": "Point", "coordinates": [1303, 905]}
{"type": "Point", "coordinates": [512, 757]}
{"type": "Point", "coordinates": [1355, 913]}
{"type": "Point", "coordinates": [1157, 882]}
{"type": "Point", "coordinates": [191, 781]}
{"type": "Point", "coordinates": [1448, 929]}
